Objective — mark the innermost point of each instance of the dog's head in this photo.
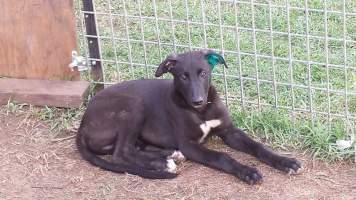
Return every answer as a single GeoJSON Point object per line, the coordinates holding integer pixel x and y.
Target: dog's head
{"type": "Point", "coordinates": [192, 73]}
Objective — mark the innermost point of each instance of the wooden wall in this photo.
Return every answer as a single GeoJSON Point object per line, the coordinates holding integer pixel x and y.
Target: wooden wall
{"type": "Point", "coordinates": [37, 38]}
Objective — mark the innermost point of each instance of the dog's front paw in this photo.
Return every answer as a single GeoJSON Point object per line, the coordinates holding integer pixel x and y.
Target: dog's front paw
{"type": "Point", "coordinates": [250, 176]}
{"type": "Point", "coordinates": [288, 165]}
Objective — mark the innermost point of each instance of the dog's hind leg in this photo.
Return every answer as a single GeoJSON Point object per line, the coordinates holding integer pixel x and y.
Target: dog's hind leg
{"type": "Point", "coordinates": [153, 151]}
{"type": "Point", "coordinates": [125, 148]}
{"type": "Point", "coordinates": [156, 152]}
{"type": "Point", "coordinates": [147, 159]}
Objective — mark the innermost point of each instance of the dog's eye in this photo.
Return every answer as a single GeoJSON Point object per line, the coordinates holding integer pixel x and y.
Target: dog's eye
{"type": "Point", "coordinates": [203, 74]}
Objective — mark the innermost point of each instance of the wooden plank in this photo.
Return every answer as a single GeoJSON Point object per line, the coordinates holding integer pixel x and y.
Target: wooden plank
{"type": "Point", "coordinates": [37, 38]}
{"type": "Point", "coordinates": [43, 92]}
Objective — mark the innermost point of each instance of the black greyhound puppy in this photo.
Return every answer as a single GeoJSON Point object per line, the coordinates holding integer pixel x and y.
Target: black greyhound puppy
{"type": "Point", "coordinates": [174, 115]}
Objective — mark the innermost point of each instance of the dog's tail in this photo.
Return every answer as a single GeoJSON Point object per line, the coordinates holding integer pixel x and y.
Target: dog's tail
{"type": "Point", "coordinates": [119, 168]}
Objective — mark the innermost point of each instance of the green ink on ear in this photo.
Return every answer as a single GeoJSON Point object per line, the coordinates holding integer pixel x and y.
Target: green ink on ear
{"type": "Point", "coordinates": [215, 59]}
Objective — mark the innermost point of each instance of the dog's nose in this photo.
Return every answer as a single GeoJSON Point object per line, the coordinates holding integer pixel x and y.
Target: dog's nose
{"type": "Point", "coordinates": [198, 102]}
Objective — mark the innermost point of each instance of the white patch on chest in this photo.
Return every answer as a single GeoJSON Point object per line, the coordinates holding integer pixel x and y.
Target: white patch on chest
{"type": "Point", "coordinates": [207, 126]}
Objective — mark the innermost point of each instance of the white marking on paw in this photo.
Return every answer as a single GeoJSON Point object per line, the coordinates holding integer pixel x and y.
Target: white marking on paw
{"type": "Point", "coordinates": [171, 166]}
{"type": "Point", "coordinates": [207, 126]}
{"type": "Point", "coordinates": [177, 156]}
{"type": "Point", "coordinates": [299, 171]}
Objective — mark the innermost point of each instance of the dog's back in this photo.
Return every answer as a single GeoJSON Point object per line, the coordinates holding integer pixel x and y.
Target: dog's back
{"type": "Point", "coordinates": [145, 89]}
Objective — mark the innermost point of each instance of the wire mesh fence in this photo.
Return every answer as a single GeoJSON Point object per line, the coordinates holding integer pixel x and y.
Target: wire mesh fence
{"type": "Point", "coordinates": [293, 55]}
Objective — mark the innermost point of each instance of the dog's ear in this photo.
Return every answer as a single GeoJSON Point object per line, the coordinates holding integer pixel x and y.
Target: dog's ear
{"type": "Point", "coordinates": [213, 58]}
{"type": "Point", "coordinates": [166, 65]}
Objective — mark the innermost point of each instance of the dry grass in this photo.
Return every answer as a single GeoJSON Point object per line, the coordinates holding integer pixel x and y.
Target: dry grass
{"type": "Point", "coordinates": [37, 164]}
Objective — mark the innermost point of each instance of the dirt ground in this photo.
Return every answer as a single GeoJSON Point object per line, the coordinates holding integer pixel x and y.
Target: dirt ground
{"type": "Point", "coordinates": [34, 165]}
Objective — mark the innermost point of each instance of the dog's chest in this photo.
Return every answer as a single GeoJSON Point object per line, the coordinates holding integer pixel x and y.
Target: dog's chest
{"type": "Point", "coordinates": [206, 127]}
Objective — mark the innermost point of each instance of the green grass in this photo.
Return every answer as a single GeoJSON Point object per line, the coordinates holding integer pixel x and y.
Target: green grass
{"type": "Point", "coordinates": [278, 126]}
{"type": "Point", "coordinates": [281, 132]}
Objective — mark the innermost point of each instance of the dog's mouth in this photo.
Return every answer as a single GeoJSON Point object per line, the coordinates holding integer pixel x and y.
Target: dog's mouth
{"type": "Point", "coordinates": [199, 107]}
